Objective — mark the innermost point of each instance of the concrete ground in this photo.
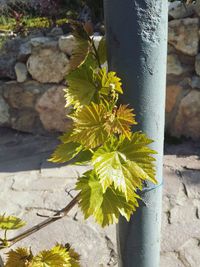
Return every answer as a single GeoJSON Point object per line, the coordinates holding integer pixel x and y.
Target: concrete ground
{"type": "Point", "coordinates": [30, 185]}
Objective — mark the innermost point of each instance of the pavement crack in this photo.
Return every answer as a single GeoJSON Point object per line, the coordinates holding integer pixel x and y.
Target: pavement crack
{"type": "Point", "coordinates": [40, 208]}
{"type": "Point", "coordinates": [169, 217]}
{"type": "Point", "coordinates": [185, 189]}
{"type": "Point", "coordinates": [184, 186]}
{"type": "Point", "coordinates": [182, 259]}
{"type": "Point", "coordinates": [75, 217]}
{"type": "Point", "coordinates": [12, 185]}
{"type": "Point", "coordinates": [197, 213]}
{"type": "Point", "coordinates": [113, 255]}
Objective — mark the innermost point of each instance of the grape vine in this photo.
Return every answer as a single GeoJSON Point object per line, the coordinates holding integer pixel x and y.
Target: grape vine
{"type": "Point", "coordinates": [101, 136]}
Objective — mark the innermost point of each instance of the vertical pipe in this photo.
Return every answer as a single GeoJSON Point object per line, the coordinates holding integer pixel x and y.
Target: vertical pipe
{"type": "Point", "coordinates": [137, 48]}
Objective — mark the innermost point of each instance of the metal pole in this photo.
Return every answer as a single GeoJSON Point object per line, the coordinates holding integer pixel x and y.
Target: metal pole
{"type": "Point", "coordinates": [137, 48]}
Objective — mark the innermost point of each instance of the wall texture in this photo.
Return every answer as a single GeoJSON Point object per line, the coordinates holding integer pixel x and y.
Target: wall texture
{"type": "Point", "coordinates": [32, 72]}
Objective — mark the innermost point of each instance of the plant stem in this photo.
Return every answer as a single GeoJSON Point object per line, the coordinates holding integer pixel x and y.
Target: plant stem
{"type": "Point", "coordinates": [5, 235]}
{"type": "Point", "coordinates": [95, 51]}
{"type": "Point", "coordinates": [58, 215]}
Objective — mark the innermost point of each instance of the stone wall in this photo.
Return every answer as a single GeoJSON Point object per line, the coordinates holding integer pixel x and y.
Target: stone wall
{"type": "Point", "coordinates": [32, 79]}
{"type": "Point", "coordinates": [183, 72]}
{"type": "Point", "coordinates": [32, 72]}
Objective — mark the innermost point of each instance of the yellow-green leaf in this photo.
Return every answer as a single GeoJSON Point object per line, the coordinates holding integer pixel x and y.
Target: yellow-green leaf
{"type": "Point", "coordinates": [21, 257]}
{"type": "Point", "coordinates": [108, 82]}
{"type": "Point", "coordinates": [89, 125]}
{"type": "Point", "coordinates": [65, 152]}
{"type": "Point", "coordinates": [81, 48]}
{"type": "Point", "coordinates": [122, 121]}
{"type": "Point", "coordinates": [81, 87]}
{"type": "Point", "coordinates": [105, 207]}
{"type": "Point", "coordinates": [10, 222]}
{"type": "Point", "coordinates": [56, 257]}
{"type": "Point", "coordinates": [79, 53]}
{"type": "Point", "coordinates": [102, 50]}
{"type": "Point", "coordinates": [125, 163]}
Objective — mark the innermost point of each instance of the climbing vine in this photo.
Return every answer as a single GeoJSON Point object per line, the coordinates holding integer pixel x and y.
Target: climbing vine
{"type": "Point", "coordinates": [101, 136]}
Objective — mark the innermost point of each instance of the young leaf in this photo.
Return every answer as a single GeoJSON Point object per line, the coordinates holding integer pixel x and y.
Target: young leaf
{"type": "Point", "coordinates": [89, 125]}
{"type": "Point", "coordinates": [84, 157]}
{"type": "Point", "coordinates": [74, 258]}
{"type": "Point", "coordinates": [108, 82]}
{"type": "Point", "coordinates": [21, 257]}
{"type": "Point", "coordinates": [107, 206]}
{"type": "Point", "coordinates": [82, 46]}
{"type": "Point", "coordinates": [10, 222]}
{"type": "Point", "coordinates": [79, 53]}
{"type": "Point", "coordinates": [58, 256]}
{"type": "Point", "coordinates": [65, 152]}
{"type": "Point", "coordinates": [81, 88]}
{"type": "Point", "coordinates": [126, 163]}
{"type": "Point", "coordinates": [102, 50]}
{"type": "Point", "coordinates": [122, 121]}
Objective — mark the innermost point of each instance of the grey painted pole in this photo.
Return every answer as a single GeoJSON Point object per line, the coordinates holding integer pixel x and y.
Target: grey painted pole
{"type": "Point", "coordinates": [137, 48]}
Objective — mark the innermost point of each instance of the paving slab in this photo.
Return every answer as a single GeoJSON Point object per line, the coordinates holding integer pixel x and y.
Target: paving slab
{"type": "Point", "coordinates": [30, 185]}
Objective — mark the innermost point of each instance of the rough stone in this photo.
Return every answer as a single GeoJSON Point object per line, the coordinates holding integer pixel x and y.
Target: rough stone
{"type": "Point", "coordinates": [67, 44]}
{"type": "Point", "coordinates": [191, 178]}
{"type": "Point", "coordinates": [21, 72]}
{"type": "Point", "coordinates": [174, 65]}
{"type": "Point", "coordinates": [4, 111]}
{"type": "Point", "coordinates": [170, 259]}
{"type": "Point", "coordinates": [187, 120]}
{"type": "Point", "coordinates": [195, 82]}
{"type": "Point", "coordinates": [31, 185]}
{"type": "Point", "coordinates": [190, 162]}
{"type": "Point", "coordinates": [56, 31]}
{"type": "Point", "coordinates": [69, 172]}
{"type": "Point", "coordinates": [24, 120]}
{"type": "Point", "coordinates": [176, 234]}
{"type": "Point", "coordinates": [197, 64]}
{"type": "Point", "coordinates": [173, 189]}
{"type": "Point", "coordinates": [196, 7]}
{"type": "Point", "coordinates": [51, 109]}
{"type": "Point", "coordinates": [172, 93]}
{"type": "Point", "coordinates": [48, 66]}
{"type": "Point", "coordinates": [7, 64]}
{"type": "Point", "coordinates": [190, 253]}
{"type": "Point", "coordinates": [11, 46]}
{"type": "Point", "coordinates": [178, 10]}
{"type": "Point", "coordinates": [177, 214]}
{"type": "Point", "coordinates": [184, 35]}
{"type": "Point", "coordinates": [43, 42]}
{"type": "Point", "coordinates": [24, 51]}
{"type": "Point", "coordinates": [38, 183]}
{"type": "Point", "coordinates": [21, 96]}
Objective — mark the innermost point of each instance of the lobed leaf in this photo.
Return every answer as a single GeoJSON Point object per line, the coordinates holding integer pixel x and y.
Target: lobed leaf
{"type": "Point", "coordinates": [125, 163]}
{"type": "Point", "coordinates": [122, 121]}
{"type": "Point", "coordinates": [106, 207]}
{"type": "Point", "coordinates": [108, 82]}
{"type": "Point", "coordinates": [65, 152]}
{"type": "Point", "coordinates": [81, 87]}
{"type": "Point", "coordinates": [10, 222]}
{"type": "Point", "coordinates": [89, 126]}
{"type": "Point", "coordinates": [21, 257]}
{"type": "Point", "coordinates": [58, 256]}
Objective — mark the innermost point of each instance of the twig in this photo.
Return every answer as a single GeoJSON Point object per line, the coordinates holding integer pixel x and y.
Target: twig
{"type": "Point", "coordinates": [96, 53]}
{"type": "Point", "coordinates": [60, 214]}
